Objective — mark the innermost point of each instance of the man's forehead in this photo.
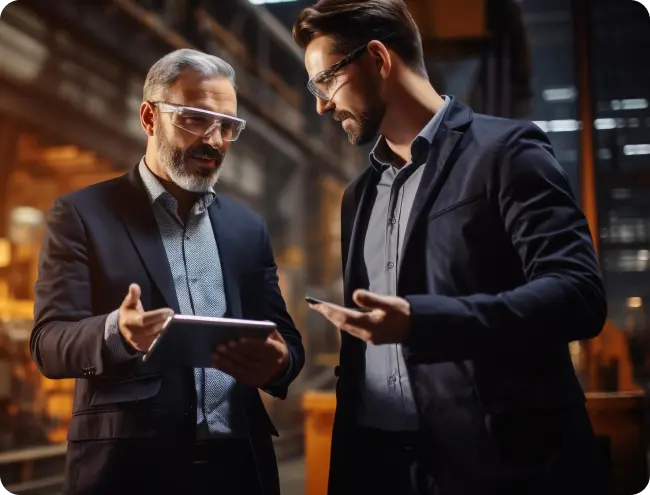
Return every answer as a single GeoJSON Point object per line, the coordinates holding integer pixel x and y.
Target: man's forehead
{"type": "Point", "coordinates": [205, 93]}
{"type": "Point", "coordinates": [318, 54]}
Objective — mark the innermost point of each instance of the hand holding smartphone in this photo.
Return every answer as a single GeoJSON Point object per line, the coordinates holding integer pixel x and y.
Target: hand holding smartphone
{"type": "Point", "coordinates": [313, 300]}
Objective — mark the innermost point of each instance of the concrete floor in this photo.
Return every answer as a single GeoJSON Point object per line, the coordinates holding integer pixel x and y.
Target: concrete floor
{"type": "Point", "coordinates": [292, 476]}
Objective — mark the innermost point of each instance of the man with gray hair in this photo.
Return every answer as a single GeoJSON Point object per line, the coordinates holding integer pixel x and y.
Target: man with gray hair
{"type": "Point", "coordinates": [122, 256]}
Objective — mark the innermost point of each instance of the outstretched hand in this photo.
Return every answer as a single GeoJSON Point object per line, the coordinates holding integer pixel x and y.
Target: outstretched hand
{"type": "Point", "coordinates": [387, 320]}
{"type": "Point", "coordinates": [139, 327]}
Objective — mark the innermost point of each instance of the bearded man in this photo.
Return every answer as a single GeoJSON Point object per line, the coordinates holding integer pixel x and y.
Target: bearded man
{"type": "Point", "coordinates": [118, 259]}
{"type": "Point", "coordinates": [465, 246]}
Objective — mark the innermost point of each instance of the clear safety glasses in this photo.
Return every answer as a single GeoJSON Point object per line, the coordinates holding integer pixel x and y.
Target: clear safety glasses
{"type": "Point", "coordinates": [203, 123]}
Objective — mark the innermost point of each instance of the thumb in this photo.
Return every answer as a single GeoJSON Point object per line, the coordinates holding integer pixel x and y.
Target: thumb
{"type": "Point", "coordinates": [277, 336]}
{"type": "Point", "coordinates": [133, 297]}
{"type": "Point", "coordinates": [370, 300]}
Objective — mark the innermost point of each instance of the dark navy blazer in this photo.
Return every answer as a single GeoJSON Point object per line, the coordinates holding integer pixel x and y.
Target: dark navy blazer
{"type": "Point", "coordinates": [134, 424]}
{"type": "Point", "coordinates": [501, 273]}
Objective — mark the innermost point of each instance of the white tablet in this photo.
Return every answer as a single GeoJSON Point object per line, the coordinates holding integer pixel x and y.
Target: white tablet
{"type": "Point", "coordinates": [189, 340]}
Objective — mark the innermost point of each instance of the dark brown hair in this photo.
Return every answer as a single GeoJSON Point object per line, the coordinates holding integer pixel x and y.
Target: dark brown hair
{"type": "Point", "coordinates": [351, 23]}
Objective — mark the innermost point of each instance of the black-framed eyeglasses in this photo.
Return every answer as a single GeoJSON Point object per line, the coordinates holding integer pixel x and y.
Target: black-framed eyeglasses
{"type": "Point", "coordinates": [323, 83]}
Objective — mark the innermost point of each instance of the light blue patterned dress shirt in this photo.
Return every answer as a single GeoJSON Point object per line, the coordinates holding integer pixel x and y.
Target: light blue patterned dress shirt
{"type": "Point", "coordinates": [193, 258]}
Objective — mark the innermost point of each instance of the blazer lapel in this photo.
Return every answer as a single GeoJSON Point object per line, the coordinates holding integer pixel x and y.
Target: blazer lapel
{"type": "Point", "coordinates": [437, 166]}
{"type": "Point", "coordinates": [365, 188]}
{"type": "Point", "coordinates": [141, 225]}
{"type": "Point", "coordinates": [227, 243]}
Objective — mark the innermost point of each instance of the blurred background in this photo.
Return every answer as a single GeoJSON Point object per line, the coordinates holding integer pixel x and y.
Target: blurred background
{"type": "Point", "coordinates": [71, 75]}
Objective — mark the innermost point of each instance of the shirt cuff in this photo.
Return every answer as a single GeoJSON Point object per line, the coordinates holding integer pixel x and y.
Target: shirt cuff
{"type": "Point", "coordinates": [119, 349]}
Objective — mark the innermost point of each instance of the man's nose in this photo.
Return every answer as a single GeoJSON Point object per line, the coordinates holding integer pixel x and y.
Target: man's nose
{"type": "Point", "coordinates": [215, 139]}
{"type": "Point", "coordinates": [322, 106]}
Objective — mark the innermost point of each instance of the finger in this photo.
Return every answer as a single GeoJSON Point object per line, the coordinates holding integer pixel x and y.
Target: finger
{"type": "Point", "coordinates": [149, 330]}
{"type": "Point", "coordinates": [253, 344]}
{"type": "Point", "coordinates": [132, 297]}
{"type": "Point", "coordinates": [338, 315]}
{"type": "Point", "coordinates": [371, 300]}
{"type": "Point", "coordinates": [358, 332]}
{"type": "Point", "coordinates": [250, 361]}
{"type": "Point", "coordinates": [257, 354]}
{"type": "Point", "coordinates": [277, 336]}
{"type": "Point", "coordinates": [156, 315]}
{"type": "Point", "coordinates": [142, 335]}
{"type": "Point", "coordinates": [332, 308]}
{"type": "Point", "coordinates": [143, 345]}
{"type": "Point", "coordinates": [135, 320]}
{"type": "Point", "coordinates": [355, 318]}
{"type": "Point", "coordinates": [131, 319]}
{"type": "Point", "coordinates": [243, 350]}
{"type": "Point", "coordinates": [234, 369]}
{"type": "Point", "coordinates": [321, 308]}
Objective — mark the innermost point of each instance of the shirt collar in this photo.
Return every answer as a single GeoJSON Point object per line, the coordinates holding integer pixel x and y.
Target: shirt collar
{"type": "Point", "coordinates": [382, 156]}
{"type": "Point", "coordinates": [157, 192]}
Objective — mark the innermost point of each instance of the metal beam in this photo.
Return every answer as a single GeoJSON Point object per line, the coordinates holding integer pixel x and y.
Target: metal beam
{"type": "Point", "coordinates": [238, 50]}
{"type": "Point", "coordinates": [273, 137]}
{"type": "Point", "coordinates": [275, 27]}
{"type": "Point", "coordinates": [153, 22]}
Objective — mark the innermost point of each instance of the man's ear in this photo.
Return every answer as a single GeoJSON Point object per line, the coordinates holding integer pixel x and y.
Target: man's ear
{"type": "Point", "coordinates": [381, 57]}
{"type": "Point", "coordinates": [147, 117]}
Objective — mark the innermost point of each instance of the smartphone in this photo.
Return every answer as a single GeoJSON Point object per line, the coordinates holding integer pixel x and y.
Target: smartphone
{"type": "Point", "coordinates": [313, 300]}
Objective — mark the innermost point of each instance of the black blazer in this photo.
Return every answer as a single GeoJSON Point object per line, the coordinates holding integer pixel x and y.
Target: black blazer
{"type": "Point", "coordinates": [501, 274]}
{"type": "Point", "coordinates": [133, 423]}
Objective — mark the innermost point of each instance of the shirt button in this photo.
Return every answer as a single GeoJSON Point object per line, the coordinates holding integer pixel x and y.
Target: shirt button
{"type": "Point", "coordinates": [393, 221]}
{"type": "Point", "coordinates": [392, 380]}
{"type": "Point", "coordinates": [390, 264]}
{"type": "Point", "coordinates": [187, 237]}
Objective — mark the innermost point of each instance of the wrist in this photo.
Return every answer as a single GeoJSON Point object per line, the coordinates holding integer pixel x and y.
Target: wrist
{"type": "Point", "coordinates": [127, 344]}
{"type": "Point", "coordinates": [406, 310]}
{"type": "Point", "coordinates": [284, 365]}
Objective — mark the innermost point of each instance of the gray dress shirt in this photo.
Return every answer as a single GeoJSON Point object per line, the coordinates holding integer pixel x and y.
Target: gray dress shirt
{"type": "Point", "coordinates": [387, 399]}
{"type": "Point", "coordinates": [193, 257]}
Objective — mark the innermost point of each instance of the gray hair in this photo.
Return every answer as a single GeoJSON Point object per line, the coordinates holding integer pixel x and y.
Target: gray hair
{"type": "Point", "coordinates": [164, 73]}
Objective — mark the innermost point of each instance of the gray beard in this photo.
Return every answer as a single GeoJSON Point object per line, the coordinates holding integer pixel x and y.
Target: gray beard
{"type": "Point", "coordinates": [173, 162]}
{"type": "Point", "coordinates": [190, 182]}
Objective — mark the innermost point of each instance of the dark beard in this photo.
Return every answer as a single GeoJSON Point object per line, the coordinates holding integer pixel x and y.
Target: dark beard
{"type": "Point", "coordinates": [365, 127]}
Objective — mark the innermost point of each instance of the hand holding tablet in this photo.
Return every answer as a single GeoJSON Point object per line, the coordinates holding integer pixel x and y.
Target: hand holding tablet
{"type": "Point", "coordinates": [191, 340]}
{"type": "Point", "coordinates": [253, 362]}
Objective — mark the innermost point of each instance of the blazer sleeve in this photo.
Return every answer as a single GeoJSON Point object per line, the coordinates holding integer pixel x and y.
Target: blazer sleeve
{"type": "Point", "coordinates": [563, 299]}
{"type": "Point", "coordinates": [275, 310]}
{"type": "Point", "coordinates": [68, 339]}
